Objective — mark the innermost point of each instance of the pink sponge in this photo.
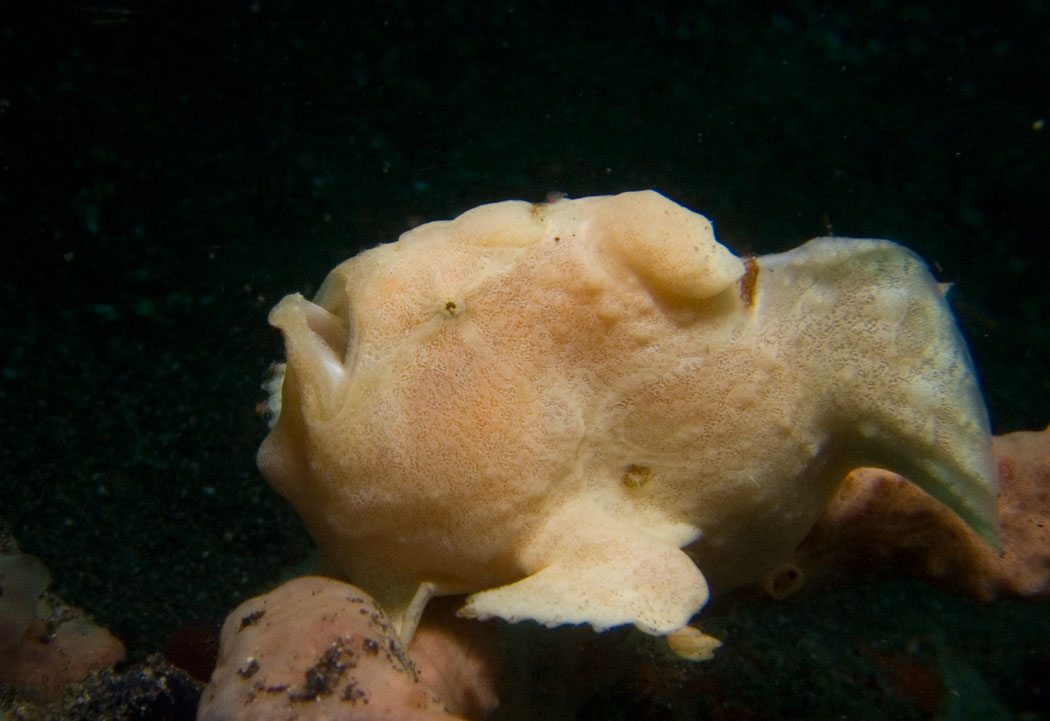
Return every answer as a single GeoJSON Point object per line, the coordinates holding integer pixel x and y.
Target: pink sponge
{"type": "Point", "coordinates": [878, 522]}
{"type": "Point", "coordinates": [45, 644]}
{"type": "Point", "coordinates": [315, 648]}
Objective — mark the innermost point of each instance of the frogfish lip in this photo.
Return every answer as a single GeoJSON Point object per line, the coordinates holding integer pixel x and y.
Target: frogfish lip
{"type": "Point", "coordinates": [316, 345]}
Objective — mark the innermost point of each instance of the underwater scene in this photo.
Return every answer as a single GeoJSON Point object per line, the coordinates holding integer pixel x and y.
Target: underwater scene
{"type": "Point", "coordinates": [524, 361]}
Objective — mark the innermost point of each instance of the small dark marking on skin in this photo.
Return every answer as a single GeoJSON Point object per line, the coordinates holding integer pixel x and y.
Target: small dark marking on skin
{"type": "Point", "coordinates": [636, 476]}
{"type": "Point", "coordinates": [251, 619]}
{"type": "Point", "coordinates": [749, 280]}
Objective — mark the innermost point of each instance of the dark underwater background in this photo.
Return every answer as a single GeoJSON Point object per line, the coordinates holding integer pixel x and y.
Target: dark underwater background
{"type": "Point", "coordinates": [169, 170]}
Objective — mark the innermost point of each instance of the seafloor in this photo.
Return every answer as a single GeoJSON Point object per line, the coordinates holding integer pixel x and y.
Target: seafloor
{"type": "Point", "coordinates": [170, 169]}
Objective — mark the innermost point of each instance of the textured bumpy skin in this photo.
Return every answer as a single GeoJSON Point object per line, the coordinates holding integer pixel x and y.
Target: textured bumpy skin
{"type": "Point", "coordinates": [543, 405]}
